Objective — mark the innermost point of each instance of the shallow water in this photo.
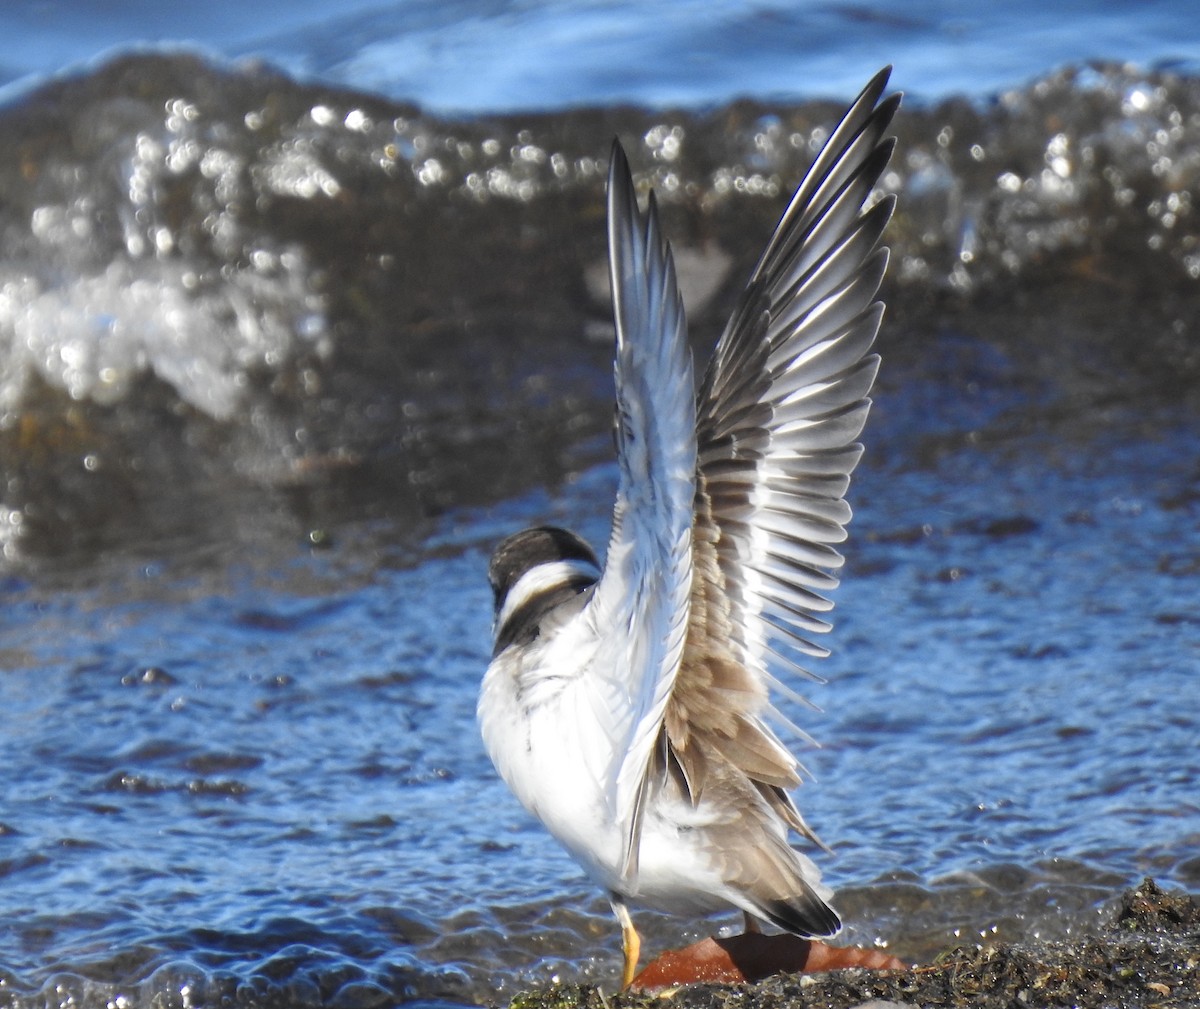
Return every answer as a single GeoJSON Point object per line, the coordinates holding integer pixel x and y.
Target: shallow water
{"type": "Point", "coordinates": [279, 363]}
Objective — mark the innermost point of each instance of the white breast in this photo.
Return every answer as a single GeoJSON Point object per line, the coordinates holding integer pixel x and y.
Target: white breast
{"type": "Point", "coordinates": [541, 732]}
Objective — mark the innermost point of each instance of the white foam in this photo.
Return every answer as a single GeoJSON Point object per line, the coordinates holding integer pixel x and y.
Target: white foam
{"type": "Point", "coordinates": [94, 335]}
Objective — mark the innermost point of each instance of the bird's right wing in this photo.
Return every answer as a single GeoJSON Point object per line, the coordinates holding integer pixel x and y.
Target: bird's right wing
{"type": "Point", "coordinates": [780, 407]}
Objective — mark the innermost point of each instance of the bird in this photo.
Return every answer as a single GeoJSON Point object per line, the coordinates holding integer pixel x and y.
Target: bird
{"type": "Point", "coordinates": [631, 705]}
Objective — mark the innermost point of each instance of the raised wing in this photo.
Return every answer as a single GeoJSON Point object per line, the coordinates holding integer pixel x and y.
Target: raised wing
{"type": "Point", "coordinates": [640, 605]}
{"type": "Point", "coordinates": [781, 405]}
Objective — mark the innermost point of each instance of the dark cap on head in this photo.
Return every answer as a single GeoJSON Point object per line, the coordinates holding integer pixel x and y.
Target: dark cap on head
{"type": "Point", "coordinates": [524, 550]}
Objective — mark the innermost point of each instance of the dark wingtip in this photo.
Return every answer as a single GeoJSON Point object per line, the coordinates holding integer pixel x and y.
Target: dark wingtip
{"type": "Point", "coordinates": [617, 161]}
{"type": "Point", "coordinates": [805, 915]}
{"type": "Point", "coordinates": [872, 95]}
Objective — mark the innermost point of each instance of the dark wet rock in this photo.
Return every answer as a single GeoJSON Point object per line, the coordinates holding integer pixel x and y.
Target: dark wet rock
{"type": "Point", "coordinates": [1152, 909]}
{"type": "Point", "coordinates": [1149, 956]}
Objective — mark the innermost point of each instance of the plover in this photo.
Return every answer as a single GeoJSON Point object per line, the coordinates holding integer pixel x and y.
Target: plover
{"type": "Point", "coordinates": [627, 705]}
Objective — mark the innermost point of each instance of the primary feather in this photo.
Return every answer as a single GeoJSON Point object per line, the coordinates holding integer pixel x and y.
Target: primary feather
{"type": "Point", "coordinates": [640, 606]}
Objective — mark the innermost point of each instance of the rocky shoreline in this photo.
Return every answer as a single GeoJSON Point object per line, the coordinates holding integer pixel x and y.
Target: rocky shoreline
{"type": "Point", "coordinates": [1149, 956]}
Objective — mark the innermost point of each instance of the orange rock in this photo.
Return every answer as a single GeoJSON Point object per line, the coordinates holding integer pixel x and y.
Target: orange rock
{"type": "Point", "coordinates": [752, 957]}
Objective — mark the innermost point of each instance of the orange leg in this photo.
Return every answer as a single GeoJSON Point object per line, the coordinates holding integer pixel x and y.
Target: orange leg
{"type": "Point", "coordinates": [631, 942]}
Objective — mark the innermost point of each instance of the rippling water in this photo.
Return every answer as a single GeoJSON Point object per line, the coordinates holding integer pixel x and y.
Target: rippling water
{"type": "Point", "coordinates": [473, 56]}
{"type": "Point", "coordinates": [280, 362]}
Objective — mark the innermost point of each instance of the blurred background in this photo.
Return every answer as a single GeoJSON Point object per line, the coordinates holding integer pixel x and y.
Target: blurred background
{"type": "Point", "coordinates": [302, 310]}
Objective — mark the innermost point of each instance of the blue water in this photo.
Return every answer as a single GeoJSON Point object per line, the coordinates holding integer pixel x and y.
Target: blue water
{"type": "Point", "coordinates": [279, 365]}
{"type": "Point", "coordinates": [470, 56]}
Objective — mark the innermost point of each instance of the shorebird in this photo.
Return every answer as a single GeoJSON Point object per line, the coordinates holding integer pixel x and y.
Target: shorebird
{"type": "Point", "coordinates": [628, 706]}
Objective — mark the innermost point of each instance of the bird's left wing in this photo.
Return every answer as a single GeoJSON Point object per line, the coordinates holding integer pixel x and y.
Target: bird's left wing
{"type": "Point", "coordinates": [639, 610]}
